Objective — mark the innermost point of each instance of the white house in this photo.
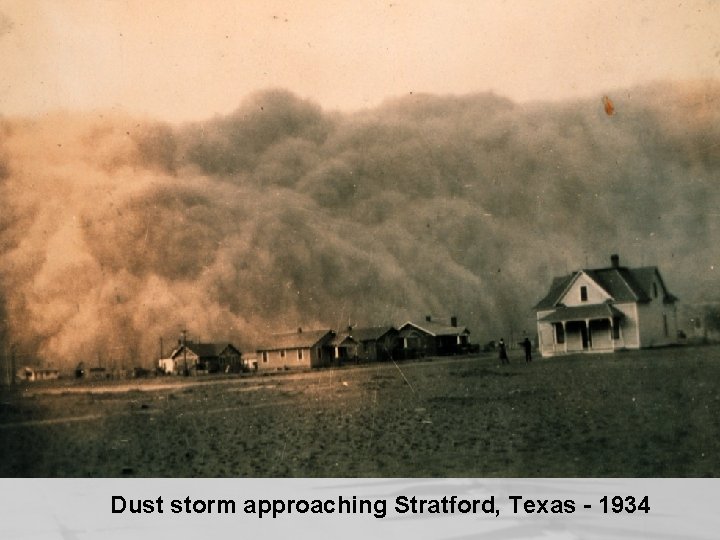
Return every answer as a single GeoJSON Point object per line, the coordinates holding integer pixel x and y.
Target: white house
{"type": "Point", "coordinates": [606, 309]}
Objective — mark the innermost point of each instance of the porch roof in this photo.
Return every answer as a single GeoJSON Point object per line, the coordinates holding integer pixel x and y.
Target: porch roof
{"type": "Point", "coordinates": [581, 313]}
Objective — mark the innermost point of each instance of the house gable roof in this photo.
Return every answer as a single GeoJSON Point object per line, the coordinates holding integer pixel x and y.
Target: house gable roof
{"type": "Point", "coordinates": [368, 333]}
{"type": "Point", "coordinates": [205, 350]}
{"type": "Point", "coordinates": [372, 333]}
{"type": "Point", "coordinates": [342, 340]}
{"type": "Point", "coordinates": [230, 348]}
{"type": "Point", "coordinates": [557, 290]}
{"type": "Point", "coordinates": [362, 334]}
{"type": "Point", "coordinates": [296, 340]}
{"type": "Point", "coordinates": [645, 277]}
{"type": "Point", "coordinates": [436, 329]}
{"type": "Point", "coordinates": [621, 283]}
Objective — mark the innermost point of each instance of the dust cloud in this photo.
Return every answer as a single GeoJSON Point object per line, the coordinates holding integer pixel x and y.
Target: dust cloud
{"type": "Point", "coordinates": [117, 231]}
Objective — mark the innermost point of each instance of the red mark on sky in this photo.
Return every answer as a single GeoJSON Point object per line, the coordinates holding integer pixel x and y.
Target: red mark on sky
{"type": "Point", "coordinates": [608, 104]}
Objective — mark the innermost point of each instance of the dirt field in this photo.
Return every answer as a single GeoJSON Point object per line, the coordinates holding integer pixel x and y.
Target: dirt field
{"type": "Point", "coordinates": [648, 413]}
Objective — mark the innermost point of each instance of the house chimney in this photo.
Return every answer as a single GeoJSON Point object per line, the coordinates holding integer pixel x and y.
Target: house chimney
{"type": "Point", "coordinates": [615, 260]}
{"type": "Point", "coordinates": [428, 318]}
{"type": "Point", "coordinates": [453, 321]}
{"type": "Point", "coordinates": [349, 329]}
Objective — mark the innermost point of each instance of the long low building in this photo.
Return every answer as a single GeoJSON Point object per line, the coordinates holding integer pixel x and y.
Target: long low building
{"type": "Point", "coordinates": [301, 349]}
{"type": "Point", "coordinates": [33, 374]}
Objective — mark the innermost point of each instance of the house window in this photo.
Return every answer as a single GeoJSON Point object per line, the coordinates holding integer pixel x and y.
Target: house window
{"type": "Point", "coordinates": [665, 325]}
{"type": "Point", "coordinates": [265, 357]}
{"type": "Point", "coordinates": [282, 353]}
{"type": "Point", "coordinates": [655, 292]}
{"type": "Point", "coordinates": [300, 354]}
{"type": "Point", "coordinates": [616, 328]}
{"type": "Point", "coordinates": [583, 293]}
{"type": "Point", "coordinates": [559, 333]}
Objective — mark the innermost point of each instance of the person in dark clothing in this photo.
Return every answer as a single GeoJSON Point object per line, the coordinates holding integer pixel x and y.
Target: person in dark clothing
{"type": "Point", "coordinates": [502, 351]}
{"type": "Point", "coordinates": [527, 346]}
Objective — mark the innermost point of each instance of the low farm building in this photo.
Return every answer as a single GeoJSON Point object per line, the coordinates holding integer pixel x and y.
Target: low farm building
{"type": "Point", "coordinates": [366, 344]}
{"type": "Point", "coordinates": [33, 374]}
{"type": "Point", "coordinates": [432, 337]}
{"type": "Point", "coordinates": [199, 358]}
{"type": "Point", "coordinates": [301, 349]}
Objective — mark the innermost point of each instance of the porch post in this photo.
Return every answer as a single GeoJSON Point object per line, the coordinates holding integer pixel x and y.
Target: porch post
{"type": "Point", "coordinates": [540, 343]}
{"type": "Point", "coordinates": [587, 332]}
{"type": "Point", "coordinates": [612, 341]}
{"type": "Point", "coordinates": [565, 336]}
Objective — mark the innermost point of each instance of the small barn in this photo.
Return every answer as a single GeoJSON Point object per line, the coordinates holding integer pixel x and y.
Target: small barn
{"type": "Point", "coordinates": [301, 349]}
{"type": "Point", "coordinates": [344, 348]}
{"type": "Point", "coordinates": [606, 309]}
{"type": "Point", "coordinates": [366, 344]}
{"type": "Point", "coordinates": [433, 338]}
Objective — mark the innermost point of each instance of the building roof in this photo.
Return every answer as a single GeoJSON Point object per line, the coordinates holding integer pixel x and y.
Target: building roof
{"type": "Point", "coordinates": [367, 333]}
{"type": "Point", "coordinates": [295, 340]}
{"type": "Point", "coordinates": [557, 288]}
{"type": "Point", "coordinates": [343, 340]}
{"type": "Point", "coordinates": [371, 333]}
{"type": "Point", "coordinates": [204, 350]}
{"type": "Point", "coordinates": [622, 284]}
{"type": "Point", "coordinates": [437, 329]}
{"type": "Point", "coordinates": [579, 313]}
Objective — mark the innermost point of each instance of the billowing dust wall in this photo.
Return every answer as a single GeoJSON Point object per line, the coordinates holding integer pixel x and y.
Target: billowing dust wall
{"type": "Point", "coordinates": [115, 231]}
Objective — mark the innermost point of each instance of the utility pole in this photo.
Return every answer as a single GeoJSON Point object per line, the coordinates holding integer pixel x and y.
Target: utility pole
{"type": "Point", "coordinates": [6, 364]}
{"type": "Point", "coordinates": [186, 372]}
{"type": "Point", "coordinates": [12, 364]}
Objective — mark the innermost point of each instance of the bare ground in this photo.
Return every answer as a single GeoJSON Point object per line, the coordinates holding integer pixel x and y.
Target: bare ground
{"type": "Point", "coordinates": [647, 413]}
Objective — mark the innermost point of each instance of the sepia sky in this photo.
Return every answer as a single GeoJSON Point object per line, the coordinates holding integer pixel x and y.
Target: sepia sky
{"type": "Point", "coordinates": [190, 60]}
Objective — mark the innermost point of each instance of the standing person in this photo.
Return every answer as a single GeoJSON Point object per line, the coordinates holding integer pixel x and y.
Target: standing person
{"type": "Point", "coordinates": [528, 349]}
{"type": "Point", "coordinates": [502, 351]}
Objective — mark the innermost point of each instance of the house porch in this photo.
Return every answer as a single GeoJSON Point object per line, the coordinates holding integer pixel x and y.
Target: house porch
{"type": "Point", "coordinates": [594, 328]}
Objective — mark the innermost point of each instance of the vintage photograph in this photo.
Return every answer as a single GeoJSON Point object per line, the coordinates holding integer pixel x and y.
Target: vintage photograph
{"type": "Point", "coordinates": [326, 238]}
